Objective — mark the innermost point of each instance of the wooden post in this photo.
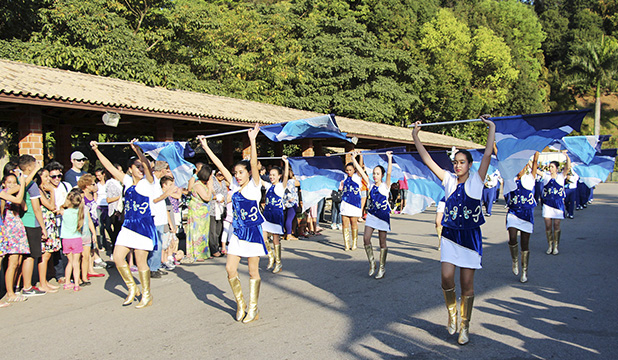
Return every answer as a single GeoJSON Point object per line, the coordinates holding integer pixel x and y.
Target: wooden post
{"type": "Point", "coordinates": [31, 132]}
{"type": "Point", "coordinates": [306, 146]}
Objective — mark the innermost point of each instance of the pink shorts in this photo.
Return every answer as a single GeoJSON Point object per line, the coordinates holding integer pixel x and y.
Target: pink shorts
{"type": "Point", "coordinates": [313, 211]}
{"type": "Point", "coordinates": [72, 246]}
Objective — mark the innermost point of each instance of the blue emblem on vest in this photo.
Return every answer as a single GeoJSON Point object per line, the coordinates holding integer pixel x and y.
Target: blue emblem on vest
{"type": "Point", "coordinates": [521, 202]}
{"type": "Point", "coordinates": [461, 211]}
{"type": "Point", "coordinates": [273, 209]}
{"type": "Point", "coordinates": [247, 219]}
{"type": "Point", "coordinates": [378, 205]}
{"type": "Point", "coordinates": [137, 215]}
{"type": "Point", "coordinates": [553, 195]}
{"type": "Point", "coordinates": [351, 192]}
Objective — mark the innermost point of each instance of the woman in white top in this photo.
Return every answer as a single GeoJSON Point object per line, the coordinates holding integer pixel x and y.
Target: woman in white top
{"type": "Point", "coordinates": [274, 213]}
{"type": "Point", "coordinates": [553, 202]}
{"type": "Point", "coordinates": [350, 206]}
{"type": "Point", "coordinates": [247, 239]}
{"type": "Point", "coordinates": [378, 211]}
{"type": "Point", "coordinates": [138, 231]}
{"type": "Point", "coordinates": [461, 241]}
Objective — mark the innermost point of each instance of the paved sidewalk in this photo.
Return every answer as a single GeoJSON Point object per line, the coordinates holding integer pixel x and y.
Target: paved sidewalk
{"type": "Point", "coordinates": [324, 306]}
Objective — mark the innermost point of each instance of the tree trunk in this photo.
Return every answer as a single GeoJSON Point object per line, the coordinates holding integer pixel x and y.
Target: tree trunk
{"type": "Point", "coordinates": [597, 112]}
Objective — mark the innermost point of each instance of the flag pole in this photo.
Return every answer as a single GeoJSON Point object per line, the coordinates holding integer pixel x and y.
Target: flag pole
{"type": "Point", "coordinates": [446, 122]}
{"type": "Point", "coordinates": [223, 134]}
{"type": "Point", "coordinates": [269, 158]}
{"type": "Point", "coordinates": [114, 143]}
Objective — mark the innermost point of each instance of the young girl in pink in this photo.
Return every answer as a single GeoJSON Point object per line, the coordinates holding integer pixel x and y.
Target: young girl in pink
{"type": "Point", "coordinates": [73, 221]}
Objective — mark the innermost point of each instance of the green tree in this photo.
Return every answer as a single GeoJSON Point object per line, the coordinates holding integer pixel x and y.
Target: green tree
{"type": "Point", "coordinates": [595, 65]}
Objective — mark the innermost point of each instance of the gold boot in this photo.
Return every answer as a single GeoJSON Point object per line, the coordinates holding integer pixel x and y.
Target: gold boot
{"type": "Point", "coordinates": [466, 314]}
{"type": "Point", "coordinates": [126, 275]}
{"type": "Point", "coordinates": [240, 300]}
{"type": "Point", "coordinates": [144, 278]}
{"type": "Point", "coordinates": [346, 238]}
{"type": "Point", "coordinates": [451, 305]}
{"type": "Point", "coordinates": [354, 238]}
{"type": "Point", "coordinates": [252, 312]}
{"type": "Point", "coordinates": [439, 232]}
{"type": "Point", "coordinates": [550, 242]}
{"type": "Point", "coordinates": [515, 258]}
{"type": "Point", "coordinates": [525, 256]}
{"type": "Point", "coordinates": [556, 241]}
{"type": "Point", "coordinates": [277, 259]}
{"type": "Point", "coordinates": [269, 250]}
{"type": "Point", "coordinates": [382, 269]}
{"type": "Point", "coordinates": [372, 261]}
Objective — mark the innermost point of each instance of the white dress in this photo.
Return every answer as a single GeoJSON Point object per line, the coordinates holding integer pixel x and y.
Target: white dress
{"type": "Point", "coordinates": [349, 209]}
{"type": "Point", "coordinates": [512, 221]}
{"type": "Point", "coordinates": [373, 221]}
{"type": "Point", "coordinates": [236, 246]}
{"type": "Point", "coordinates": [548, 211]}
{"type": "Point", "coordinates": [129, 238]}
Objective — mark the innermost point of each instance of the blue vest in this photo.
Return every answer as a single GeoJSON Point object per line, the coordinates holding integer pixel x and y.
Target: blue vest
{"type": "Point", "coordinates": [273, 209]}
{"type": "Point", "coordinates": [137, 215]}
{"type": "Point", "coordinates": [521, 202]}
{"type": "Point", "coordinates": [247, 219]}
{"type": "Point", "coordinates": [553, 195]}
{"type": "Point", "coordinates": [351, 192]}
{"type": "Point", "coordinates": [461, 211]}
{"type": "Point", "coordinates": [378, 205]}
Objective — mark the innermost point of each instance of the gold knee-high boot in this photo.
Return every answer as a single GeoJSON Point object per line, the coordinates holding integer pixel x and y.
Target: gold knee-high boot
{"type": "Point", "coordinates": [144, 278]}
{"type": "Point", "coordinates": [346, 238]}
{"type": "Point", "coordinates": [439, 232]}
{"type": "Point", "coordinates": [277, 259]}
{"type": "Point", "coordinates": [550, 242]}
{"type": "Point", "coordinates": [372, 260]}
{"type": "Point", "coordinates": [382, 268]}
{"type": "Point", "coordinates": [525, 256]}
{"type": "Point", "coordinates": [271, 256]}
{"type": "Point", "coordinates": [354, 238]}
{"type": "Point", "coordinates": [126, 275]}
{"type": "Point", "coordinates": [466, 313]}
{"type": "Point", "coordinates": [556, 241]}
{"type": "Point", "coordinates": [515, 258]}
{"type": "Point", "coordinates": [450, 299]}
{"type": "Point", "coordinates": [240, 300]}
{"type": "Point", "coordinates": [252, 312]}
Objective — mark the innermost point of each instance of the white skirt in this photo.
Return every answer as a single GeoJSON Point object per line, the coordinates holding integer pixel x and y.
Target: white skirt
{"type": "Point", "coordinates": [376, 223]}
{"type": "Point", "coordinates": [440, 207]}
{"type": "Point", "coordinates": [244, 248]}
{"type": "Point", "coordinates": [350, 210]}
{"type": "Point", "coordinates": [132, 240]}
{"type": "Point", "coordinates": [552, 213]}
{"type": "Point", "coordinates": [458, 255]}
{"type": "Point", "coordinates": [272, 228]}
{"type": "Point", "coordinates": [513, 221]}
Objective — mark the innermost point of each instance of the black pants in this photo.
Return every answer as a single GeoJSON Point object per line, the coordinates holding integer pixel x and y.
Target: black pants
{"type": "Point", "coordinates": [214, 236]}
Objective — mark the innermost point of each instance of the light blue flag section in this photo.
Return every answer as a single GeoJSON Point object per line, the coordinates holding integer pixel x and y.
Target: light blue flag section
{"type": "Point", "coordinates": [371, 160]}
{"type": "Point", "coordinates": [581, 148]}
{"type": "Point", "coordinates": [424, 188]}
{"type": "Point", "coordinates": [519, 137]}
{"type": "Point", "coordinates": [317, 127]}
{"type": "Point", "coordinates": [598, 169]}
{"type": "Point", "coordinates": [172, 153]}
{"type": "Point", "coordinates": [318, 177]}
{"type": "Point", "coordinates": [477, 156]}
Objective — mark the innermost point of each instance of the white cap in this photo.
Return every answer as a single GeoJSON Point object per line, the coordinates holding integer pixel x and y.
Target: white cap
{"type": "Point", "coordinates": [77, 155]}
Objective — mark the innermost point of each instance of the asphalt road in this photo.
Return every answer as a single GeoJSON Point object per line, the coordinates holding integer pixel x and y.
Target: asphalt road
{"type": "Point", "coordinates": [324, 306]}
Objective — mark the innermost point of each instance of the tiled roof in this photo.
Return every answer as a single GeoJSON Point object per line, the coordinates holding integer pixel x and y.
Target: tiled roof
{"type": "Point", "coordinates": [44, 83]}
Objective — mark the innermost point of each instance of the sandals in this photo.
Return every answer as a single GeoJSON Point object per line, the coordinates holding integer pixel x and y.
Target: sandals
{"type": "Point", "coordinates": [68, 286]}
{"type": "Point", "coordinates": [76, 288]}
{"type": "Point", "coordinates": [17, 298]}
{"type": "Point", "coordinates": [4, 304]}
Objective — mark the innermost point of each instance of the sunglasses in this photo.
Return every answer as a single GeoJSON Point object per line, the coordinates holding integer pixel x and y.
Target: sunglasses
{"type": "Point", "coordinates": [56, 176]}
{"type": "Point", "coordinates": [80, 160]}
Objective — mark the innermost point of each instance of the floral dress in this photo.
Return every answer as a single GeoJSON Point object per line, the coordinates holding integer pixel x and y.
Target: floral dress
{"type": "Point", "coordinates": [198, 227]}
{"type": "Point", "coordinates": [53, 243]}
{"type": "Point", "coordinates": [13, 240]}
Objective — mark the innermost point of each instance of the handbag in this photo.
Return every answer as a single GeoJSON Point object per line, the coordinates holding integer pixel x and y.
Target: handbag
{"type": "Point", "coordinates": [336, 195]}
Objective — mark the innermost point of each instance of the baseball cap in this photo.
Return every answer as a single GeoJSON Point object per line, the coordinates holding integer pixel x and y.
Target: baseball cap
{"type": "Point", "coordinates": [78, 155]}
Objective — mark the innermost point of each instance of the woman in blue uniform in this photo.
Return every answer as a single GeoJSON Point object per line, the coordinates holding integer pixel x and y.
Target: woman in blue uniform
{"type": "Point", "coordinates": [553, 202]}
{"type": "Point", "coordinates": [520, 217]}
{"type": "Point", "coordinates": [247, 240]}
{"type": "Point", "coordinates": [378, 211]}
{"type": "Point", "coordinates": [138, 231]}
{"type": "Point", "coordinates": [274, 213]}
{"type": "Point", "coordinates": [461, 241]}
{"type": "Point", "coordinates": [350, 206]}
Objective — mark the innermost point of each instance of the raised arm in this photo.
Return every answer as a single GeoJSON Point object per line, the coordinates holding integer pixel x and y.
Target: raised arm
{"type": "Point", "coordinates": [437, 170]}
{"type": "Point", "coordinates": [358, 167]}
{"type": "Point", "coordinates": [489, 147]}
{"type": "Point", "coordinates": [567, 166]}
{"type": "Point", "coordinates": [145, 162]}
{"type": "Point", "coordinates": [117, 174]}
{"type": "Point", "coordinates": [535, 164]}
{"type": "Point", "coordinates": [255, 174]}
{"type": "Point", "coordinates": [19, 197]}
{"type": "Point", "coordinates": [389, 169]}
{"type": "Point", "coordinates": [286, 170]}
{"type": "Point", "coordinates": [215, 160]}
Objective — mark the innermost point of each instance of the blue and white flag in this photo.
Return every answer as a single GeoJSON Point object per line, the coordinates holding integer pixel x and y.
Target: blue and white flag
{"type": "Point", "coordinates": [318, 177]}
{"type": "Point", "coordinates": [581, 147]}
{"type": "Point", "coordinates": [598, 169]}
{"type": "Point", "coordinates": [477, 156]}
{"type": "Point", "coordinates": [371, 160]}
{"type": "Point", "coordinates": [424, 188]}
{"type": "Point", "coordinates": [519, 137]}
{"type": "Point", "coordinates": [172, 153]}
{"type": "Point", "coordinates": [317, 127]}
